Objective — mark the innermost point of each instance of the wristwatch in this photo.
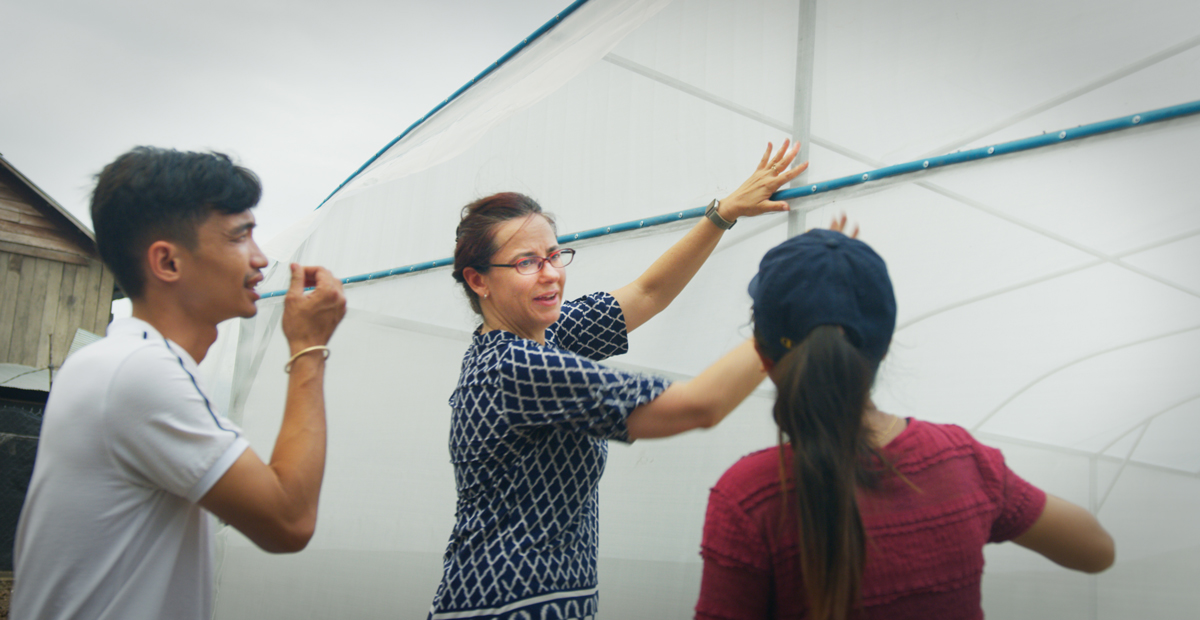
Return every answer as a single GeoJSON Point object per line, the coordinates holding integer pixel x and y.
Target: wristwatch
{"type": "Point", "coordinates": [715, 217]}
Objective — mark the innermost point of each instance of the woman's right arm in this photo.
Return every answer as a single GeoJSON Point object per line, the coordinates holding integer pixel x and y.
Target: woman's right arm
{"type": "Point", "coordinates": [1069, 536]}
{"type": "Point", "coordinates": [703, 401]}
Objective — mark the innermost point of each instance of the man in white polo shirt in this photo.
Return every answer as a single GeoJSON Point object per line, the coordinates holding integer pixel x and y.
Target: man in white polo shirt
{"type": "Point", "coordinates": [133, 456]}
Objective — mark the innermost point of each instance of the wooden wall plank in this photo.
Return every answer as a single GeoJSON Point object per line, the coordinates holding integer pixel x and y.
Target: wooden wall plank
{"type": "Point", "coordinates": [8, 214]}
{"type": "Point", "coordinates": [14, 204]}
{"type": "Point", "coordinates": [45, 231]}
{"type": "Point", "coordinates": [104, 306]}
{"type": "Point", "coordinates": [31, 331]}
{"type": "Point", "coordinates": [28, 219]}
{"type": "Point", "coordinates": [37, 237]}
{"type": "Point", "coordinates": [23, 348]}
{"type": "Point", "coordinates": [7, 192]}
{"type": "Point", "coordinates": [91, 299]}
{"type": "Point", "coordinates": [36, 221]}
{"type": "Point", "coordinates": [25, 250]}
{"type": "Point", "coordinates": [3, 273]}
{"type": "Point", "coordinates": [8, 300]}
{"type": "Point", "coordinates": [49, 313]}
{"type": "Point", "coordinates": [5, 328]}
{"type": "Point", "coordinates": [62, 322]}
{"type": "Point", "coordinates": [11, 216]}
{"type": "Point", "coordinates": [79, 297]}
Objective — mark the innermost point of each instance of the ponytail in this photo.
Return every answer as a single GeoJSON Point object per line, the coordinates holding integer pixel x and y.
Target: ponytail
{"type": "Point", "coordinates": [823, 386]}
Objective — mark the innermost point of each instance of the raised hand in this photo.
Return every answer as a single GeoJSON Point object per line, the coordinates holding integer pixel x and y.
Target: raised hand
{"type": "Point", "coordinates": [309, 318]}
{"type": "Point", "coordinates": [839, 225]}
{"type": "Point", "coordinates": [772, 173]}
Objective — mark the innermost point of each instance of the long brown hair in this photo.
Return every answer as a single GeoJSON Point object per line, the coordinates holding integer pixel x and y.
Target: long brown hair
{"type": "Point", "coordinates": [824, 384]}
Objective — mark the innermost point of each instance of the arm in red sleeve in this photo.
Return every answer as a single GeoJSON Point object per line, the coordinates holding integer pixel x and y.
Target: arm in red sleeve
{"type": "Point", "coordinates": [738, 581]}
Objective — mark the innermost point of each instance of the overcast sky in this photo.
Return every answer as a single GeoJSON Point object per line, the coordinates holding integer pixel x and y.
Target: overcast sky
{"type": "Point", "coordinates": [303, 92]}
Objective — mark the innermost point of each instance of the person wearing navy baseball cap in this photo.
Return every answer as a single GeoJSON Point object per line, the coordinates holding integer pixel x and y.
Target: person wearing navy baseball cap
{"type": "Point", "coordinates": [823, 278]}
{"type": "Point", "coordinates": [860, 513]}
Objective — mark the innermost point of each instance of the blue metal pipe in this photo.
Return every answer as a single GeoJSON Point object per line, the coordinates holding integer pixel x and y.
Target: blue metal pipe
{"type": "Point", "coordinates": [941, 161]}
{"type": "Point", "coordinates": [984, 152]}
{"type": "Point", "coordinates": [495, 65]}
{"type": "Point", "coordinates": [586, 234]}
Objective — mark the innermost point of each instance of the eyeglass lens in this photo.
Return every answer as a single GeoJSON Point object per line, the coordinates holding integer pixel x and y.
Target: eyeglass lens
{"type": "Point", "coordinates": [534, 264]}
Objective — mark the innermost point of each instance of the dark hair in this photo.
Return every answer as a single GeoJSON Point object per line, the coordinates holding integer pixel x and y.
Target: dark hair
{"type": "Point", "coordinates": [824, 384]}
{"type": "Point", "coordinates": [151, 194]}
{"type": "Point", "coordinates": [475, 237]}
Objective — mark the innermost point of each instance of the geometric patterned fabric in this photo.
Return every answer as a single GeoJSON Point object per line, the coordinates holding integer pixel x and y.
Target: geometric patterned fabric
{"type": "Point", "coordinates": [529, 439]}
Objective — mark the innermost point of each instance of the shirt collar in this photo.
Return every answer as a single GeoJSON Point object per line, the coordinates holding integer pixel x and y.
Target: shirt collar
{"type": "Point", "coordinates": [132, 327]}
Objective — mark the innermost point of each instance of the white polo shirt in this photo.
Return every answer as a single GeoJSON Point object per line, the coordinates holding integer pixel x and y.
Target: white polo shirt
{"type": "Point", "coordinates": [129, 443]}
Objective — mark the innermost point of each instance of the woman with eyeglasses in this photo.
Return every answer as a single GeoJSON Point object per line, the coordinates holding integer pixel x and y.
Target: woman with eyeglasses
{"type": "Point", "coordinates": [533, 408]}
{"type": "Point", "coordinates": [858, 513]}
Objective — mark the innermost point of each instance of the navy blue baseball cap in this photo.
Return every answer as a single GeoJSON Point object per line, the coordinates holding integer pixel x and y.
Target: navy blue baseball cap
{"type": "Point", "coordinates": [823, 277]}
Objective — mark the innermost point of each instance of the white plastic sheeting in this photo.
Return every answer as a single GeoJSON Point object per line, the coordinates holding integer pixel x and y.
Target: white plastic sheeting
{"type": "Point", "coordinates": [1049, 301]}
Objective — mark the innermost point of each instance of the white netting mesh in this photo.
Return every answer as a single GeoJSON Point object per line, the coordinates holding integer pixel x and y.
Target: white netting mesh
{"type": "Point", "coordinates": [1049, 301]}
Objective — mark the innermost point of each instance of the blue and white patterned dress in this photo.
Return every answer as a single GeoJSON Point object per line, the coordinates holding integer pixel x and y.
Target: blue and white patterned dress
{"type": "Point", "coordinates": [528, 441]}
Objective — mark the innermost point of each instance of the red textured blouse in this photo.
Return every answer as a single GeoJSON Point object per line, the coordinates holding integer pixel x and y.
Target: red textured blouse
{"type": "Point", "coordinates": [924, 549]}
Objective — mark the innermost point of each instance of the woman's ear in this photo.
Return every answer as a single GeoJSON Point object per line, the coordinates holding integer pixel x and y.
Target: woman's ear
{"type": "Point", "coordinates": [165, 261]}
{"type": "Point", "coordinates": [475, 280]}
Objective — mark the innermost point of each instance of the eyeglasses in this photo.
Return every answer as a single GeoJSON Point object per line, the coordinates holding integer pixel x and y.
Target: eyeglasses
{"type": "Point", "coordinates": [534, 264]}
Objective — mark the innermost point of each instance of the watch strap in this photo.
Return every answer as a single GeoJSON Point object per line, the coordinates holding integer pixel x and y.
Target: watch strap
{"type": "Point", "coordinates": [714, 216]}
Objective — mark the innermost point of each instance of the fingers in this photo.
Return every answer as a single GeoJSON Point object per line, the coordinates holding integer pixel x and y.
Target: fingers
{"type": "Point", "coordinates": [297, 284]}
{"type": "Point", "coordinates": [754, 195]}
{"type": "Point", "coordinates": [321, 278]}
{"type": "Point", "coordinates": [779, 171]}
{"type": "Point", "coordinates": [328, 289]}
{"type": "Point", "coordinates": [762, 163]}
{"type": "Point", "coordinates": [792, 173]}
{"type": "Point", "coordinates": [310, 276]}
{"type": "Point", "coordinates": [310, 319]}
{"type": "Point", "coordinates": [323, 283]}
{"type": "Point", "coordinates": [305, 277]}
{"type": "Point", "coordinates": [777, 160]}
{"type": "Point", "coordinates": [839, 225]}
{"type": "Point", "coordinates": [767, 206]}
{"type": "Point", "coordinates": [787, 155]}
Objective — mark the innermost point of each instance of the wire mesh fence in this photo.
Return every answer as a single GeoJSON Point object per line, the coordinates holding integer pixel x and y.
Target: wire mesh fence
{"type": "Point", "coordinates": [19, 426]}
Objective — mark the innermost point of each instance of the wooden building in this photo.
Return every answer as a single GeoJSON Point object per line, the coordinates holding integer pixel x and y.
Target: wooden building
{"type": "Point", "coordinates": [52, 281]}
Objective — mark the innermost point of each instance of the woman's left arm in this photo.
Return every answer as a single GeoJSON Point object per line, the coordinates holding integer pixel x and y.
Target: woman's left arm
{"type": "Point", "coordinates": [655, 289]}
{"type": "Point", "coordinates": [738, 582]}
